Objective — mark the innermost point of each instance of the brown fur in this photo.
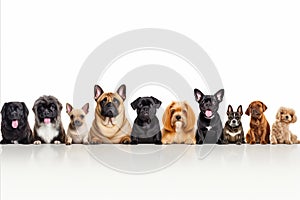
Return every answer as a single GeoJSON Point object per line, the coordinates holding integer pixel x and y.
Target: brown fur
{"type": "Point", "coordinates": [178, 132]}
{"type": "Point", "coordinates": [280, 129]}
{"type": "Point", "coordinates": [102, 131]}
{"type": "Point", "coordinates": [259, 126]}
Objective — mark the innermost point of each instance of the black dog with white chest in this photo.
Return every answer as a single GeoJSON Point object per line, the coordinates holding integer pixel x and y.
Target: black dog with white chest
{"type": "Point", "coordinates": [146, 128]}
{"type": "Point", "coordinates": [209, 130]}
{"type": "Point", "coordinates": [15, 128]}
{"type": "Point", "coordinates": [233, 132]}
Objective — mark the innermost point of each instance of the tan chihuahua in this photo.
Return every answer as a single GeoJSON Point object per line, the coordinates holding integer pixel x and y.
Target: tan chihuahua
{"type": "Point", "coordinates": [78, 129]}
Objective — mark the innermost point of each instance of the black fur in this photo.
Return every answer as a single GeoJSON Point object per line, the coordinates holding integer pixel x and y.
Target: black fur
{"type": "Point", "coordinates": [146, 128]}
{"type": "Point", "coordinates": [18, 112]}
{"type": "Point", "coordinates": [209, 124]}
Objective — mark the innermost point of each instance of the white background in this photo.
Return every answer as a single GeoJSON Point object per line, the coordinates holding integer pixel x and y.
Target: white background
{"type": "Point", "coordinates": [254, 44]}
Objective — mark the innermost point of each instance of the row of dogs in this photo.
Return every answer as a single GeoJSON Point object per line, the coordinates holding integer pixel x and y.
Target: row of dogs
{"type": "Point", "coordinates": [110, 124]}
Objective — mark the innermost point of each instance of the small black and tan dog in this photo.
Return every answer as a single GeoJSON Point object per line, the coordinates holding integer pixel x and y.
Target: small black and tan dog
{"type": "Point", "coordinates": [48, 127]}
{"type": "Point", "coordinates": [233, 132]}
{"type": "Point", "coordinates": [209, 123]}
{"type": "Point", "coordinates": [15, 128]}
{"type": "Point", "coordinates": [146, 127]}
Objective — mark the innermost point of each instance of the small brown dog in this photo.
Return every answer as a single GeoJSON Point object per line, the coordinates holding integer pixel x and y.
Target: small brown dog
{"type": "Point", "coordinates": [259, 127]}
{"type": "Point", "coordinates": [280, 129]}
{"type": "Point", "coordinates": [78, 129]}
{"type": "Point", "coordinates": [179, 121]}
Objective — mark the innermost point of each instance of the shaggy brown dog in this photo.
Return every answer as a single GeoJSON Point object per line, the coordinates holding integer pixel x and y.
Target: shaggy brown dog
{"type": "Point", "coordinates": [259, 127]}
{"type": "Point", "coordinates": [280, 129]}
{"type": "Point", "coordinates": [179, 121]}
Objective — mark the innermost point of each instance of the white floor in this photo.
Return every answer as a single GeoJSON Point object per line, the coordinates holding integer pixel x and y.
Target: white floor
{"type": "Point", "coordinates": [149, 172]}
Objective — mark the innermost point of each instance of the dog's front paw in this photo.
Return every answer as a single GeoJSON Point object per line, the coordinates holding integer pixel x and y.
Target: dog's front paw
{"type": "Point", "coordinates": [190, 141]}
{"type": "Point", "coordinates": [37, 142]}
{"type": "Point", "coordinates": [252, 142]}
{"type": "Point", "coordinates": [263, 142]}
{"type": "Point", "coordinates": [238, 143]}
{"type": "Point", "coordinates": [68, 143]}
{"type": "Point", "coordinates": [288, 142]}
{"type": "Point", "coordinates": [134, 142]}
{"type": "Point", "coordinates": [225, 142]}
{"type": "Point", "coordinates": [125, 140]}
{"type": "Point", "coordinates": [57, 142]}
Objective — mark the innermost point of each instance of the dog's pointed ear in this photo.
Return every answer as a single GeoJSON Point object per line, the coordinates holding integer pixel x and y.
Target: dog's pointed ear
{"type": "Point", "coordinates": [264, 106]}
{"type": "Point", "coordinates": [219, 95]}
{"type": "Point", "coordinates": [122, 91]}
{"type": "Point", "coordinates": [69, 108]}
{"type": "Point", "coordinates": [248, 110]}
{"type": "Point", "coordinates": [97, 92]}
{"type": "Point", "coordinates": [240, 110]}
{"type": "Point", "coordinates": [3, 110]}
{"type": "Point", "coordinates": [85, 108]}
{"type": "Point", "coordinates": [156, 101]}
{"type": "Point", "coordinates": [198, 94]}
{"type": "Point", "coordinates": [26, 111]}
{"type": "Point", "coordinates": [229, 109]}
{"type": "Point", "coordinates": [135, 103]}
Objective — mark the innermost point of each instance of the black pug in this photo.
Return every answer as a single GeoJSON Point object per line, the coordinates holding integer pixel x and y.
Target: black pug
{"type": "Point", "coordinates": [48, 127]}
{"type": "Point", "coordinates": [146, 128]}
{"type": "Point", "coordinates": [15, 128]}
{"type": "Point", "coordinates": [209, 130]}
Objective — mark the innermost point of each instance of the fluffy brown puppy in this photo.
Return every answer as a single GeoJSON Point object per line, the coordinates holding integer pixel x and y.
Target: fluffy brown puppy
{"type": "Point", "coordinates": [259, 126]}
{"type": "Point", "coordinates": [281, 133]}
{"type": "Point", "coordinates": [110, 124]}
{"type": "Point", "coordinates": [179, 121]}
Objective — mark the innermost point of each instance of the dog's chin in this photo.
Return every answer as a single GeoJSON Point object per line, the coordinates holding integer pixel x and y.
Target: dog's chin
{"type": "Point", "coordinates": [109, 122]}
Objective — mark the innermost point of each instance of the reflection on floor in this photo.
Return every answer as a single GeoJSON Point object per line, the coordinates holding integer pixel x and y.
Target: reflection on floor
{"type": "Point", "coordinates": [81, 171]}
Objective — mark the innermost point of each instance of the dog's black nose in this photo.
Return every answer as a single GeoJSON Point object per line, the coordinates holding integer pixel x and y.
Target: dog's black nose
{"type": "Point", "coordinates": [178, 117]}
{"type": "Point", "coordinates": [286, 117]}
{"type": "Point", "coordinates": [77, 123]}
{"type": "Point", "coordinates": [234, 121]}
{"type": "Point", "coordinates": [146, 109]}
{"type": "Point", "coordinates": [109, 104]}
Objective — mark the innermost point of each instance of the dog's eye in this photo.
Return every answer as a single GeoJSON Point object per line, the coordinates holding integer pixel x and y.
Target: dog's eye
{"type": "Point", "coordinates": [184, 112]}
{"type": "Point", "coordinates": [72, 117]}
{"type": "Point", "coordinates": [81, 116]}
{"type": "Point", "coordinates": [281, 113]}
{"type": "Point", "coordinates": [52, 107]}
{"type": "Point", "coordinates": [104, 100]}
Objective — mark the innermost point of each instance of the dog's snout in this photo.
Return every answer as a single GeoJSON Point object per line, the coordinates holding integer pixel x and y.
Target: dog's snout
{"type": "Point", "coordinates": [77, 122]}
{"type": "Point", "coordinates": [234, 121]}
{"type": "Point", "coordinates": [109, 104]}
{"type": "Point", "coordinates": [145, 109]}
{"type": "Point", "coordinates": [47, 112]}
{"type": "Point", "coordinates": [178, 117]}
{"type": "Point", "coordinates": [286, 117]}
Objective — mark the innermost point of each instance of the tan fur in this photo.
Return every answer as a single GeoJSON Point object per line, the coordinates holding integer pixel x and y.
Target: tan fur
{"type": "Point", "coordinates": [280, 133]}
{"type": "Point", "coordinates": [78, 135]}
{"type": "Point", "coordinates": [102, 131]}
{"type": "Point", "coordinates": [182, 131]}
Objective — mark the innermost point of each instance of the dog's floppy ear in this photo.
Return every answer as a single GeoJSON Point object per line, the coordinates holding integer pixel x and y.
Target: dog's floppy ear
{"type": "Point", "coordinates": [278, 114]}
{"type": "Point", "coordinates": [229, 109]}
{"type": "Point", "coordinates": [294, 117]}
{"type": "Point", "coordinates": [69, 108]}
{"type": "Point", "coordinates": [135, 103]}
{"type": "Point", "coordinates": [240, 110]}
{"type": "Point", "coordinates": [198, 94]}
{"type": "Point", "coordinates": [156, 101]}
{"type": "Point", "coordinates": [166, 119]}
{"type": "Point", "coordinates": [191, 119]}
{"type": "Point", "coordinates": [248, 110]}
{"type": "Point", "coordinates": [122, 91]}
{"type": "Point", "coordinates": [25, 109]}
{"type": "Point", "coordinates": [3, 110]}
{"type": "Point", "coordinates": [85, 108]}
{"type": "Point", "coordinates": [219, 95]}
{"type": "Point", "coordinates": [97, 92]}
{"type": "Point", "coordinates": [264, 106]}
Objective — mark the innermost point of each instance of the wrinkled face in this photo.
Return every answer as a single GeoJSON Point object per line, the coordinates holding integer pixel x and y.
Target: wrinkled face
{"type": "Point", "coordinates": [286, 115]}
{"type": "Point", "coordinates": [178, 113]}
{"type": "Point", "coordinates": [234, 119]}
{"type": "Point", "coordinates": [209, 105]}
{"type": "Point", "coordinates": [14, 114]}
{"type": "Point", "coordinates": [108, 105]}
{"type": "Point", "coordinates": [47, 109]}
{"type": "Point", "coordinates": [256, 109]}
{"type": "Point", "coordinates": [146, 107]}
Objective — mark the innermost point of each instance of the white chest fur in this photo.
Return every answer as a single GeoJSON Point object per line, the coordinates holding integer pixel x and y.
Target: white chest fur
{"type": "Point", "coordinates": [233, 134]}
{"type": "Point", "coordinates": [47, 132]}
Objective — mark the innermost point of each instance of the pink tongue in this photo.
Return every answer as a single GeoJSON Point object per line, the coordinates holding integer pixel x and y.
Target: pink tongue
{"type": "Point", "coordinates": [47, 120]}
{"type": "Point", "coordinates": [15, 124]}
{"type": "Point", "coordinates": [208, 113]}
